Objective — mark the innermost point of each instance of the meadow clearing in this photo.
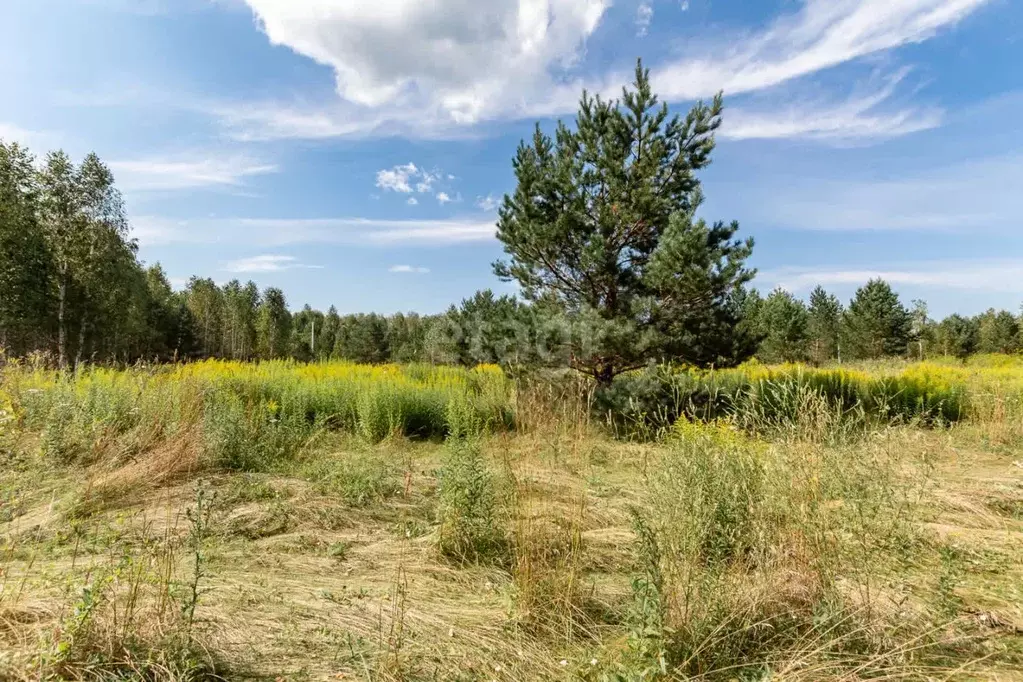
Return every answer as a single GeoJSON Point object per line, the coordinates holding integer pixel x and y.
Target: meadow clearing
{"type": "Point", "coordinates": [287, 521]}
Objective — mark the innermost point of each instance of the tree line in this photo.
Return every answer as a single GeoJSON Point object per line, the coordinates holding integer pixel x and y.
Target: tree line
{"type": "Point", "coordinates": [614, 269]}
{"type": "Point", "coordinates": [875, 324]}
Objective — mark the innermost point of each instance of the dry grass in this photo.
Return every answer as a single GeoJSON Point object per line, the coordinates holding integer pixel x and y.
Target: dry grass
{"type": "Point", "coordinates": [894, 555]}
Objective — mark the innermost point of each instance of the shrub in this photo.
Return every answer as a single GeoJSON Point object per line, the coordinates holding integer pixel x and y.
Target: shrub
{"type": "Point", "coordinates": [471, 527]}
{"type": "Point", "coordinates": [247, 437]}
{"type": "Point", "coordinates": [647, 402]}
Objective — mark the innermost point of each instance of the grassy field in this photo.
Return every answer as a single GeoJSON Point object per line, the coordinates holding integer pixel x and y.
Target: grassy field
{"type": "Point", "coordinates": [309, 522]}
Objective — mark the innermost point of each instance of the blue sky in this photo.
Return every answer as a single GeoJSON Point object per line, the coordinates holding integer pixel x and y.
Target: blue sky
{"type": "Point", "coordinates": [352, 151]}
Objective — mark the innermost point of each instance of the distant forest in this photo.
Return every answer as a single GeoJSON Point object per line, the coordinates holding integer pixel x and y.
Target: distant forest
{"type": "Point", "coordinates": [72, 289]}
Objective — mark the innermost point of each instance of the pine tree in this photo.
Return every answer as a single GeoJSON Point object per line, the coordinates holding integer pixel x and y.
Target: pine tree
{"type": "Point", "coordinates": [367, 339]}
{"type": "Point", "coordinates": [786, 322]}
{"type": "Point", "coordinates": [957, 336]}
{"type": "Point", "coordinates": [306, 334]}
{"type": "Point", "coordinates": [602, 226]}
{"type": "Point", "coordinates": [825, 326]}
{"type": "Point", "coordinates": [876, 323]}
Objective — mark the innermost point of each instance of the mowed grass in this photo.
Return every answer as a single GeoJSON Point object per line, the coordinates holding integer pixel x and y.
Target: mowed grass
{"type": "Point", "coordinates": [280, 521]}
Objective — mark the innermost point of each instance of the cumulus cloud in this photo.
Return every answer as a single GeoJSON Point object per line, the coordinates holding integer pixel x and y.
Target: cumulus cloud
{"type": "Point", "coordinates": [443, 198]}
{"type": "Point", "coordinates": [406, 179]}
{"type": "Point", "coordinates": [187, 171]}
{"type": "Point", "coordinates": [410, 269]}
{"type": "Point", "coordinates": [397, 179]}
{"type": "Point", "coordinates": [267, 263]}
{"type": "Point", "coordinates": [412, 201]}
{"type": "Point", "coordinates": [459, 57]}
{"type": "Point", "coordinates": [434, 68]}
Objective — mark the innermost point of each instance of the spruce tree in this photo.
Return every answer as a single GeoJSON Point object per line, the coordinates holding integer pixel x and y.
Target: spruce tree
{"type": "Point", "coordinates": [785, 321]}
{"type": "Point", "coordinates": [876, 323]}
{"type": "Point", "coordinates": [957, 336]}
{"type": "Point", "coordinates": [602, 226]}
{"type": "Point", "coordinates": [825, 326]}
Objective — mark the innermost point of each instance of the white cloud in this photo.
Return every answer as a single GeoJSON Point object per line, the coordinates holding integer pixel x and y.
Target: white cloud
{"type": "Point", "coordinates": [858, 117]}
{"type": "Point", "coordinates": [433, 68]}
{"type": "Point", "coordinates": [267, 263]}
{"type": "Point", "coordinates": [10, 132]}
{"type": "Point", "coordinates": [644, 15]}
{"type": "Point", "coordinates": [260, 121]}
{"type": "Point", "coordinates": [397, 179]}
{"type": "Point", "coordinates": [401, 179]}
{"type": "Point", "coordinates": [822, 34]}
{"type": "Point", "coordinates": [979, 275]}
{"type": "Point", "coordinates": [460, 58]}
{"type": "Point", "coordinates": [412, 201]}
{"type": "Point", "coordinates": [268, 232]}
{"type": "Point", "coordinates": [408, 269]}
{"type": "Point", "coordinates": [488, 203]}
{"type": "Point", "coordinates": [979, 194]}
{"type": "Point", "coordinates": [443, 198]}
{"type": "Point", "coordinates": [187, 171]}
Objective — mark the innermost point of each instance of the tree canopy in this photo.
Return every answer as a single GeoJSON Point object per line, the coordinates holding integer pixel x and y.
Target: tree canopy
{"type": "Point", "coordinates": [602, 225]}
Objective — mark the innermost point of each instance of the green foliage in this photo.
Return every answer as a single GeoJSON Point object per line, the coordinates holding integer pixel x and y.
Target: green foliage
{"type": "Point", "coordinates": [645, 403]}
{"type": "Point", "coordinates": [957, 336]}
{"type": "Point", "coordinates": [358, 478]}
{"type": "Point", "coordinates": [199, 529]}
{"type": "Point", "coordinates": [824, 327]}
{"type": "Point", "coordinates": [785, 325]}
{"type": "Point", "coordinates": [273, 325]}
{"type": "Point", "coordinates": [710, 493]}
{"type": "Point", "coordinates": [737, 548]}
{"type": "Point", "coordinates": [363, 338]}
{"type": "Point", "coordinates": [250, 437]}
{"type": "Point", "coordinates": [470, 513]}
{"type": "Point", "coordinates": [85, 229]}
{"type": "Point", "coordinates": [998, 332]}
{"type": "Point", "coordinates": [602, 227]}
{"type": "Point", "coordinates": [876, 323]}
{"type": "Point", "coordinates": [25, 261]}
{"type": "Point", "coordinates": [486, 329]}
